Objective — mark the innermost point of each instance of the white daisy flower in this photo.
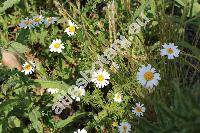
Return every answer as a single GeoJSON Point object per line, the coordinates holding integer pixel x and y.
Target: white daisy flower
{"type": "Point", "coordinates": [50, 20]}
{"type": "Point", "coordinates": [26, 23]}
{"type": "Point", "coordinates": [139, 109]}
{"type": "Point", "coordinates": [52, 90]}
{"type": "Point", "coordinates": [118, 98]}
{"type": "Point", "coordinates": [124, 127]}
{"type": "Point", "coordinates": [27, 68]}
{"type": "Point", "coordinates": [81, 131]}
{"type": "Point", "coordinates": [148, 77]}
{"type": "Point", "coordinates": [38, 19]}
{"type": "Point", "coordinates": [71, 29]}
{"type": "Point", "coordinates": [100, 78]}
{"type": "Point", "coordinates": [56, 46]}
{"type": "Point", "coordinates": [76, 93]}
{"type": "Point", "coordinates": [170, 50]}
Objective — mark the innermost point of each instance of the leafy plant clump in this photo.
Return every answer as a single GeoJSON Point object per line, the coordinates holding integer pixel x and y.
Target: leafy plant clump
{"type": "Point", "coordinates": [95, 66]}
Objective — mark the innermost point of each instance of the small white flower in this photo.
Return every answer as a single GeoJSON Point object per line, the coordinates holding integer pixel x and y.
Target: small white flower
{"type": "Point", "coordinates": [124, 127]}
{"type": "Point", "coordinates": [100, 78]}
{"type": "Point", "coordinates": [52, 90]}
{"type": "Point", "coordinates": [38, 20]}
{"type": "Point", "coordinates": [76, 93]}
{"type": "Point", "coordinates": [139, 109]}
{"type": "Point", "coordinates": [56, 46]}
{"type": "Point", "coordinates": [50, 20]}
{"type": "Point", "coordinates": [81, 131]}
{"type": "Point", "coordinates": [27, 68]}
{"type": "Point", "coordinates": [26, 23]}
{"type": "Point", "coordinates": [71, 29]}
{"type": "Point", "coordinates": [148, 77]}
{"type": "Point", "coordinates": [170, 50]}
{"type": "Point", "coordinates": [118, 98]}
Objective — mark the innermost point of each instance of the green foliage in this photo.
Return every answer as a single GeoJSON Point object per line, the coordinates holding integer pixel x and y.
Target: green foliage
{"type": "Point", "coordinates": [7, 4]}
{"type": "Point", "coordinates": [179, 114]}
{"type": "Point", "coordinates": [13, 122]}
{"type": "Point", "coordinates": [194, 50]}
{"type": "Point", "coordinates": [34, 117]}
{"type": "Point", "coordinates": [70, 120]}
{"type": "Point", "coordinates": [18, 47]}
{"type": "Point", "coordinates": [194, 6]}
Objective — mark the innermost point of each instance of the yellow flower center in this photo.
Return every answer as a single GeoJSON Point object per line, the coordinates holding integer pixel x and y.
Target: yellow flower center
{"type": "Point", "coordinates": [49, 19]}
{"type": "Point", "coordinates": [27, 22]}
{"type": "Point", "coordinates": [148, 75]}
{"type": "Point", "coordinates": [170, 51]}
{"type": "Point", "coordinates": [37, 19]}
{"type": "Point", "coordinates": [78, 93]}
{"type": "Point", "coordinates": [114, 124]}
{"type": "Point", "coordinates": [100, 78]}
{"type": "Point", "coordinates": [27, 67]}
{"type": "Point", "coordinates": [118, 97]}
{"type": "Point", "coordinates": [138, 109]}
{"type": "Point", "coordinates": [71, 28]}
{"type": "Point", "coordinates": [56, 45]}
{"type": "Point", "coordinates": [124, 129]}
